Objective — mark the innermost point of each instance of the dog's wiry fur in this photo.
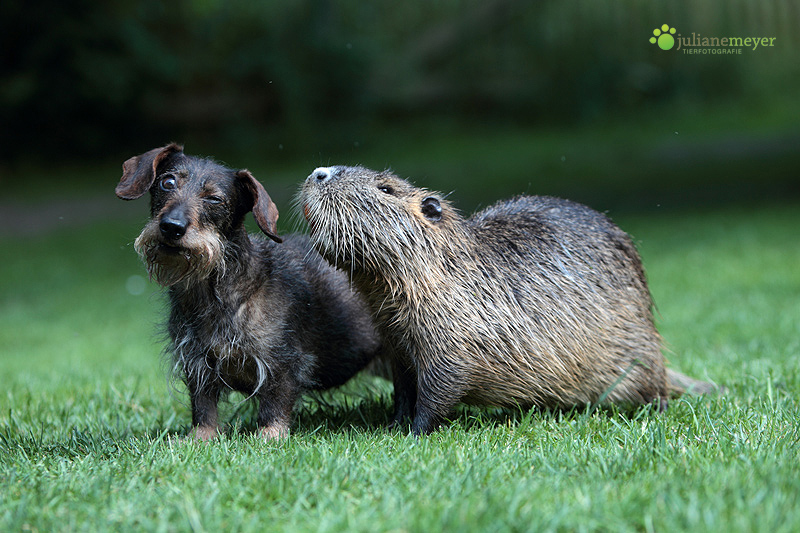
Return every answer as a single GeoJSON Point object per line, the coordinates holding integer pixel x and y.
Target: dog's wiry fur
{"type": "Point", "coordinates": [246, 314]}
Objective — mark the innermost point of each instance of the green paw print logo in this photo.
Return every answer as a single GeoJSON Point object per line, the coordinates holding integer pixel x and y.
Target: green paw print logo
{"type": "Point", "coordinates": [664, 37]}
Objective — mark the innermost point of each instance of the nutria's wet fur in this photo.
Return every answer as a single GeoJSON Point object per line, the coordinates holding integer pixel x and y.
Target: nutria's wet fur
{"type": "Point", "coordinates": [534, 301]}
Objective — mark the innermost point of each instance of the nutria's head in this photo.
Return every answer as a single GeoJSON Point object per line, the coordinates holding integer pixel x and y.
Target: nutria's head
{"type": "Point", "coordinates": [371, 221]}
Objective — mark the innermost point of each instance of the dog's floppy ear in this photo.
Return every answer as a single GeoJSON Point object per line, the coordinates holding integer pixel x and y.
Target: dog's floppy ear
{"type": "Point", "coordinates": [139, 172]}
{"type": "Point", "coordinates": [264, 210]}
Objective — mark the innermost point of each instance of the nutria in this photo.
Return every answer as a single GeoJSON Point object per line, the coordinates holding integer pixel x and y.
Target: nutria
{"type": "Point", "coordinates": [532, 302]}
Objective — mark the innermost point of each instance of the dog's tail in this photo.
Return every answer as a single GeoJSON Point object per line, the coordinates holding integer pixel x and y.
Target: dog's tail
{"type": "Point", "coordinates": [678, 384]}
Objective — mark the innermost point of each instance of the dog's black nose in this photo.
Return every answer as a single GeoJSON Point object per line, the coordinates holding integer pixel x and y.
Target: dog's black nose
{"type": "Point", "coordinates": [173, 225]}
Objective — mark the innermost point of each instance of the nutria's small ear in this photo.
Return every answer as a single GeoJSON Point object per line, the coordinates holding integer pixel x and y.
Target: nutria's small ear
{"type": "Point", "coordinates": [139, 172]}
{"type": "Point", "coordinates": [264, 210]}
{"type": "Point", "coordinates": [432, 208]}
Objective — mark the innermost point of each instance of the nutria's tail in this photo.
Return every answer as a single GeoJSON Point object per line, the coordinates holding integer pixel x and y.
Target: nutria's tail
{"type": "Point", "coordinates": [679, 384]}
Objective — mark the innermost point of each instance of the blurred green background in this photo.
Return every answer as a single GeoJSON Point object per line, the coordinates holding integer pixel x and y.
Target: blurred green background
{"type": "Point", "coordinates": [483, 99]}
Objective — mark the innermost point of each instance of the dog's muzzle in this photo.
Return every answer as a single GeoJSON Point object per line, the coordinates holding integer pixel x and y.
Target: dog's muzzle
{"type": "Point", "coordinates": [173, 224]}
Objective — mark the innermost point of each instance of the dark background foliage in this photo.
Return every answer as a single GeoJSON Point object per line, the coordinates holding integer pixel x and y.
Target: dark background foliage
{"type": "Point", "coordinates": [272, 82]}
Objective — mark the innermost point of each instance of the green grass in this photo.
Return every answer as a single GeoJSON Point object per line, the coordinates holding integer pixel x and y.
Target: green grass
{"type": "Point", "coordinates": [91, 434]}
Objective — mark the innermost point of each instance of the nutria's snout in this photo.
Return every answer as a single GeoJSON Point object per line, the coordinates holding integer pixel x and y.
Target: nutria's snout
{"type": "Point", "coordinates": [323, 174]}
{"type": "Point", "coordinates": [320, 174]}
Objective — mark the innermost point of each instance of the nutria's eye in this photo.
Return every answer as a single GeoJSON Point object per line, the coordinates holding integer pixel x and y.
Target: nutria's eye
{"type": "Point", "coordinates": [386, 188]}
{"type": "Point", "coordinates": [168, 183]}
{"type": "Point", "coordinates": [213, 200]}
{"type": "Point", "coordinates": [432, 209]}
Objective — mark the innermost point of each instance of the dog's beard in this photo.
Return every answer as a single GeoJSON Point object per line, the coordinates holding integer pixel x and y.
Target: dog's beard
{"type": "Point", "coordinates": [193, 261]}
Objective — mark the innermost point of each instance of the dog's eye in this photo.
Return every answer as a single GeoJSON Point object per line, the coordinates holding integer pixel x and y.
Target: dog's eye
{"type": "Point", "coordinates": [386, 188]}
{"type": "Point", "coordinates": [168, 184]}
{"type": "Point", "coordinates": [213, 200]}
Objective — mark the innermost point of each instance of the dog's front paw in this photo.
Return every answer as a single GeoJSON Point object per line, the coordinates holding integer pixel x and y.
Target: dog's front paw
{"type": "Point", "coordinates": [275, 431]}
{"type": "Point", "coordinates": [204, 433]}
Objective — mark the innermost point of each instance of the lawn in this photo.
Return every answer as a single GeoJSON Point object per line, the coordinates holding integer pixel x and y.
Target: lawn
{"type": "Point", "coordinates": [92, 431]}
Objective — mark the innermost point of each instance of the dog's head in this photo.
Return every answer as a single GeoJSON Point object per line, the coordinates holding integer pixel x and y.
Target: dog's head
{"type": "Point", "coordinates": [196, 207]}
